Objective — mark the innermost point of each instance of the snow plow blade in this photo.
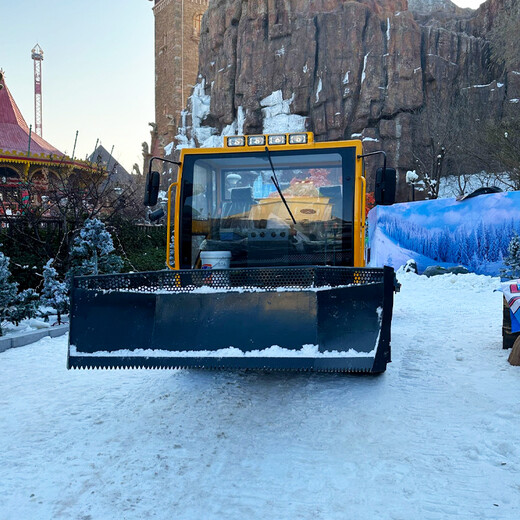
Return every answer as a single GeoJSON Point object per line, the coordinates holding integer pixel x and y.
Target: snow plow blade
{"type": "Point", "coordinates": [322, 319]}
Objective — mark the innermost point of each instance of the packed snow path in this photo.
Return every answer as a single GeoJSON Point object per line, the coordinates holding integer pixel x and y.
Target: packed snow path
{"type": "Point", "coordinates": [435, 437]}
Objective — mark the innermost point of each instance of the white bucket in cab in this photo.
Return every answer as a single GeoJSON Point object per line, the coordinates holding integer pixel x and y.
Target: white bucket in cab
{"type": "Point", "coordinates": [215, 259]}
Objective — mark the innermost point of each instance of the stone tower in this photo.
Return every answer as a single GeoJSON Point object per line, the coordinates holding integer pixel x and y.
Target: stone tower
{"type": "Point", "coordinates": [177, 34]}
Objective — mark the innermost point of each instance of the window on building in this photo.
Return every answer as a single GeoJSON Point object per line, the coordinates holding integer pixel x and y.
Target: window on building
{"type": "Point", "coordinates": [197, 22]}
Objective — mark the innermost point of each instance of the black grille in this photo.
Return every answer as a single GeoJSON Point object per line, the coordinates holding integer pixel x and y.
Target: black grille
{"type": "Point", "coordinates": [263, 278]}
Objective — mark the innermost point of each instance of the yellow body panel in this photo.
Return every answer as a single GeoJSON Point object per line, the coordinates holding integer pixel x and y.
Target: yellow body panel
{"type": "Point", "coordinates": [359, 202]}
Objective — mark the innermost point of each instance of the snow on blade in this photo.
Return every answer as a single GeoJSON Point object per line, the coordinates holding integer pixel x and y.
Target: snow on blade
{"type": "Point", "coordinates": [275, 351]}
{"type": "Point", "coordinates": [208, 289]}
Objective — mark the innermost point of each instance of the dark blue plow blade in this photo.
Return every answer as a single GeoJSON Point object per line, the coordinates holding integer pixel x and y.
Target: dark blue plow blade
{"type": "Point", "coordinates": [322, 319]}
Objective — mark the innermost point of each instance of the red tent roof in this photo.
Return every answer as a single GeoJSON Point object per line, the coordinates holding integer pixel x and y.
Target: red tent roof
{"type": "Point", "coordinates": [14, 132]}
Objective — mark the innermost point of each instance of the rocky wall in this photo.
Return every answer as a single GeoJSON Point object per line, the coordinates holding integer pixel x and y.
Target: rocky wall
{"type": "Point", "coordinates": [376, 70]}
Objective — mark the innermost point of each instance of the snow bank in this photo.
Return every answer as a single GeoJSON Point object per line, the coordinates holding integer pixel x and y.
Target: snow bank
{"type": "Point", "coordinates": [30, 325]}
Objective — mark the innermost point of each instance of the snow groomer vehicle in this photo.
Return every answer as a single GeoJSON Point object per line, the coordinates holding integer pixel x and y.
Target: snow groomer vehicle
{"type": "Point", "coordinates": [266, 267]}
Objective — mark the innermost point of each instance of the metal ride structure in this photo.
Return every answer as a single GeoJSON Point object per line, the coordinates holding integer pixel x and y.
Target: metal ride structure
{"type": "Point", "coordinates": [266, 267]}
{"type": "Point", "coordinates": [37, 56]}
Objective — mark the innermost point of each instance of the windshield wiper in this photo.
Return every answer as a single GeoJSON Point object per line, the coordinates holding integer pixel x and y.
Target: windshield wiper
{"type": "Point", "coordinates": [274, 179]}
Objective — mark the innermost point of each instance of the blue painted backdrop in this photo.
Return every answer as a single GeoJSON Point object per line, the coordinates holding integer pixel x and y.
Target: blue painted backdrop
{"type": "Point", "coordinates": [474, 233]}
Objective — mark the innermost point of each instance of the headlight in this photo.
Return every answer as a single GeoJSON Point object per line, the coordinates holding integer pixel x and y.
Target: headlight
{"type": "Point", "coordinates": [298, 139]}
{"type": "Point", "coordinates": [236, 140]}
{"type": "Point", "coordinates": [256, 140]}
{"type": "Point", "coordinates": [277, 139]}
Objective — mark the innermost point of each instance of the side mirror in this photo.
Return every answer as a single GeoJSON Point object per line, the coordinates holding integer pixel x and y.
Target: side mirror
{"type": "Point", "coordinates": [386, 179]}
{"type": "Point", "coordinates": [155, 216]}
{"type": "Point", "coordinates": [151, 194]}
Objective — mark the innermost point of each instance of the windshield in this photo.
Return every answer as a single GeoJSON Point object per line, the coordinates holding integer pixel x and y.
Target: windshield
{"type": "Point", "coordinates": [230, 204]}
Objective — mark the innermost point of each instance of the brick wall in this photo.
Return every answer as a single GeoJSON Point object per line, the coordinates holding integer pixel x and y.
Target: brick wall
{"type": "Point", "coordinates": [177, 25]}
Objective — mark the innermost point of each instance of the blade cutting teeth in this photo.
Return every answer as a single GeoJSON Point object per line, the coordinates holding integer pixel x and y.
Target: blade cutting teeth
{"type": "Point", "coordinates": [82, 365]}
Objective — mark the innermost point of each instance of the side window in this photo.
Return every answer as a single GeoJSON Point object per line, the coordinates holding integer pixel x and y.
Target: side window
{"type": "Point", "coordinates": [203, 200]}
{"type": "Point", "coordinates": [199, 201]}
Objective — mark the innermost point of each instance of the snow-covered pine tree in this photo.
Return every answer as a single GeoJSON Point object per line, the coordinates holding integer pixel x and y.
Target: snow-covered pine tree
{"type": "Point", "coordinates": [91, 253]}
{"type": "Point", "coordinates": [7, 290]}
{"type": "Point", "coordinates": [26, 305]}
{"type": "Point", "coordinates": [512, 261]}
{"type": "Point", "coordinates": [54, 292]}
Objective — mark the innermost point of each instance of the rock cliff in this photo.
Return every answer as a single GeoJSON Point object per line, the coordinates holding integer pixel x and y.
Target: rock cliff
{"type": "Point", "coordinates": [390, 72]}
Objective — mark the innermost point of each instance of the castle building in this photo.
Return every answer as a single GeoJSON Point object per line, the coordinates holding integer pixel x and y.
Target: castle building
{"type": "Point", "coordinates": [177, 34]}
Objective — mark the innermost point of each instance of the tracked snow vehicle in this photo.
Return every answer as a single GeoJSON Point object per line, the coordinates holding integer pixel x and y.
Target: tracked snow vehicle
{"type": "Point", "coordinates": [266, 267]}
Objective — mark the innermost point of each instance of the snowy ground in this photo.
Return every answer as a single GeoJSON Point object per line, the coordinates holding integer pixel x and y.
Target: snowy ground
{"type": "Point", "coordinates": [30, 325]}
{"type": "Point", "coordinates": [436, 437]}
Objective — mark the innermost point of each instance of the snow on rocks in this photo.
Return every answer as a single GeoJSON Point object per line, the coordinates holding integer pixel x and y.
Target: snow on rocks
{"type": "Point", "coordinates": [168, 149]}
{"type": "Point", "coordinates": [363, 74]}
{"type": "Point", "coordinates": [435, 437]}
{"type": "Point", "coordinates": [201, 135]}
{"type": "Point", "coordinates": [318, 90]}
{"type": "Point", "coordinates": [277, 115]}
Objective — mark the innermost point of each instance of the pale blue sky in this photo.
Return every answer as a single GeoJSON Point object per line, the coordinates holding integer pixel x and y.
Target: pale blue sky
{"type": "Point", "coordinates": [98, 70]}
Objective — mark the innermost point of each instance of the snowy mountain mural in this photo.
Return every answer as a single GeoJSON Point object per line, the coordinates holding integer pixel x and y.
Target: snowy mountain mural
{"type": "Point", "coordinates": [474, 233]}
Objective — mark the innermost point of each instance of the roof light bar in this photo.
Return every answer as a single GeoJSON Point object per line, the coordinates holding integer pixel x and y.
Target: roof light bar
{"type": "Point", "coordinates": [277, 139]}
{"type": "Point", "coordinates": [236, 140]}
{"type": "Point", "coordinates": [298, 138]}
{"type": "Point", "coordinates": [256, 140]}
